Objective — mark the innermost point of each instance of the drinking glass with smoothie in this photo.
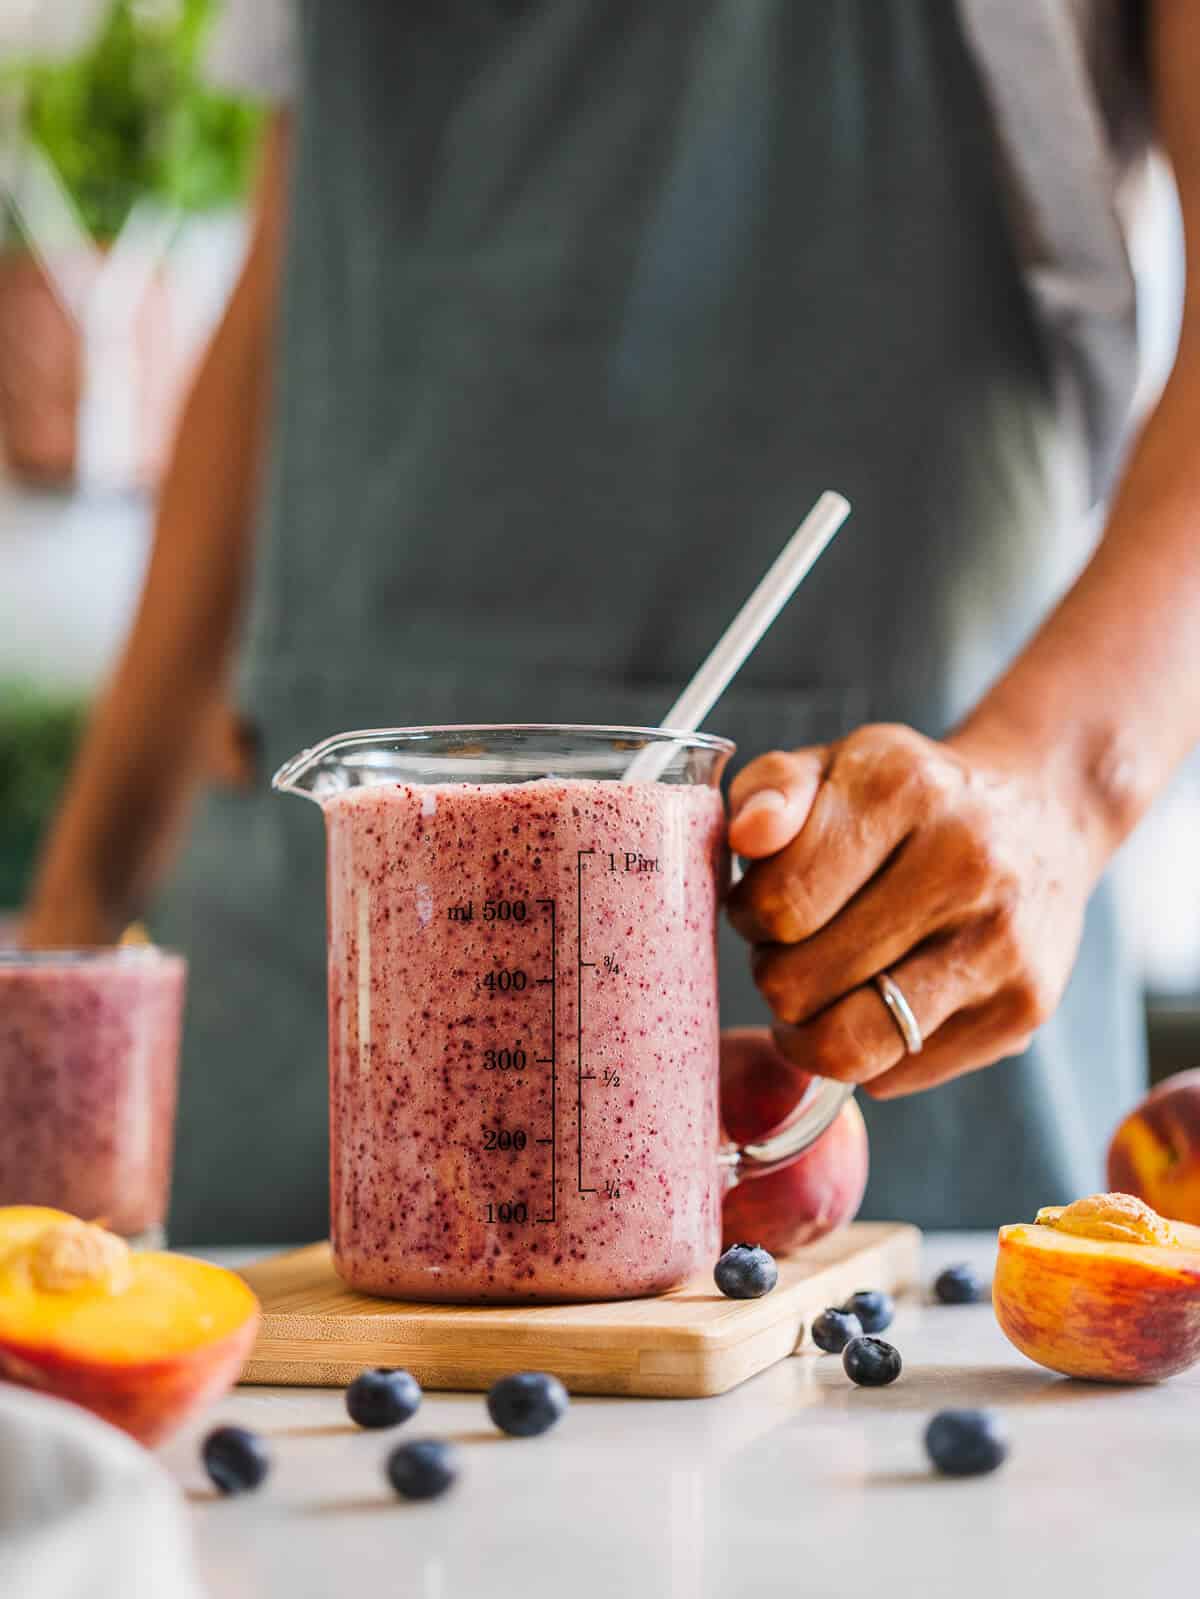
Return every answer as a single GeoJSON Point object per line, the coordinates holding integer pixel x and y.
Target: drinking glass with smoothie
{"type": "Point", "coordinates": [89, 1054]}
{"type": "Point", "coordinates": [523, 1026]}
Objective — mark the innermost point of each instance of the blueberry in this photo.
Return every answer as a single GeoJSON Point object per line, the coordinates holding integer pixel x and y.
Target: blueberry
{"type": "Point", "coordinates": [870, 1362]}
{"type": "Point", "coordinates": [526, 1404]}
{"type": "Point", "coordinates": [746, 1271]}
{"type": "Point", "coordinates": [966, 1443]}
{"type": "Point", "coordinates": [423, 1469]}
{"type": "Point", "coordinates": [958, 1285]}
{"type": "Point", "coordinates": [833, 1330]}
{"type": "Point", "coordinates": [874, 1309]}
{"type": "Point", "coordinates": [382, 1397]}
{"type": "Point", "coordinates": [236, 1459]}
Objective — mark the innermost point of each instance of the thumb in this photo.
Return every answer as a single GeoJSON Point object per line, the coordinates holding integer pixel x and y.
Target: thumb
{"type": "Point", "coordinates": [770, 799]}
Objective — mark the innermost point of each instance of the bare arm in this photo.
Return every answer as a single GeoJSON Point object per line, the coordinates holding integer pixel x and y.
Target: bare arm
{"type": "Point", "coordinates": [146, 744]}
{"type": "Point", "coordinates": [962, 868]}
{"type": "Point", "coordinates": [1109, 690]}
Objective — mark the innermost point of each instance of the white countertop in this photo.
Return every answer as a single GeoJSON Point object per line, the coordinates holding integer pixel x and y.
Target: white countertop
{"type": "Point", "coordinates": [795, 1483]}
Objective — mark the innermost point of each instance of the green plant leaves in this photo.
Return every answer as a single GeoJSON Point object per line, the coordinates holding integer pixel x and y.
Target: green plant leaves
{"type": "Point", "coordinates": [132, 117]}
{"type": "Point", "coordinates": [40, 731]}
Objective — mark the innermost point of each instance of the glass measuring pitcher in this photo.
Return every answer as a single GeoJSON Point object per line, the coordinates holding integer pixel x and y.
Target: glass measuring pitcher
{"type": "Point", "coordinates": [523, 1026]}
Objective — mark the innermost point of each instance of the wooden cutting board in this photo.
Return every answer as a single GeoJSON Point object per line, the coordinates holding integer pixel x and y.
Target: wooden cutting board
{"type": "Point", "coordinates": [318, 1333]}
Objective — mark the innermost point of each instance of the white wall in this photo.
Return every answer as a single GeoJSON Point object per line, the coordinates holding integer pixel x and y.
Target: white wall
{"type": "Point", "coordinates": [70, 571]}
{"type": "Point", "coordinates": [1158, 871]}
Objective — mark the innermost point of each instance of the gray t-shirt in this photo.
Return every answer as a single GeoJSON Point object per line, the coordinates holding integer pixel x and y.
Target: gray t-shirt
{"type": "Point", "coordinates": [1066, 83]}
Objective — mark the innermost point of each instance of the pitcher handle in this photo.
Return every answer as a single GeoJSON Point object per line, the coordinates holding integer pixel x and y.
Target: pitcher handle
{"type": "Point", "coordinates": [822, 1100]}
{"type": "Point", "coordinates": [812, 1116]}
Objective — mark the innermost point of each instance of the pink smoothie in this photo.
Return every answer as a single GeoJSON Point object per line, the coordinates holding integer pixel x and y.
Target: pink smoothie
{"type": "Point", "coordinates": [507, 1123]}
{"type": "Point", "coordinates": [89, 1049]}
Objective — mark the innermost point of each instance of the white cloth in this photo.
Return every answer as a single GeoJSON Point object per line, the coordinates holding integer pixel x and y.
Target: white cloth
{"type": "Point", "coordinates": [85, 1513]}
{"type": "Point", "coordinates": [253, 49]}
{"type": "Point", "coordinates": [47, 29]}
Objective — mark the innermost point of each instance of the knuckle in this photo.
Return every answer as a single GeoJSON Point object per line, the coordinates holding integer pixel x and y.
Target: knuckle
{"type": "Point", "coordinates": [1005, 932]}
{"type": "Point", "coordinates": [892, 775]}
{"type": "Point", "coordinates": [977, 860]}
{"type": "Point", "coordinates": [982, 871]}
{"type": "Point", "coordinates": [1004, 925]}
{"type": "Point", "coordinates": [784, 908]}
{"type": "Point", "coordinates": [878, 737]}
{"type": "Point", "coordinates": [891, 765]}
{"type": "Point", "coordinates": [1032, 1002]}
{"type": "Point", "coordinates": [776, 766]}
{"type": "Point", "coordinates": [774, 983]}
{"type": "Point", "coordinates": [940, 781]}
{"type": "Point", "coordinates": [835, 1049]}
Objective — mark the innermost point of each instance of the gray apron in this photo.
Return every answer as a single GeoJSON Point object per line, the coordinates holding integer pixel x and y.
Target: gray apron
{"type": "Point", "coordinates": [585, 302]}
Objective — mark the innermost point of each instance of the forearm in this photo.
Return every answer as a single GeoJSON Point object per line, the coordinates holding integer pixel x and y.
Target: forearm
{"type": "Point", "coordinates": [1106, 697]}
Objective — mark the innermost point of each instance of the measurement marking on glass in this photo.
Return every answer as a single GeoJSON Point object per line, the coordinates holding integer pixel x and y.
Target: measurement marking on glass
{"type": "Point", "coordinates": [580, 964]}
{"type": "Point", "coordinates": [551, 1059]}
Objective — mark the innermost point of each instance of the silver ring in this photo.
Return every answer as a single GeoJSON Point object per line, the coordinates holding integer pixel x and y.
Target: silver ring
{"type": "Point", "coordinates": [901, 1011]}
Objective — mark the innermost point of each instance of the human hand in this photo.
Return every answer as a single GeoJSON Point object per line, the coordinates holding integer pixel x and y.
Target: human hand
{"type": "Point", "coordinates": [958, 868]}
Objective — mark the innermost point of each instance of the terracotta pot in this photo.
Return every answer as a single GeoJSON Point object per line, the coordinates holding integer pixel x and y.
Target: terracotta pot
{"type": "Point", "coordinates": [42, 375]}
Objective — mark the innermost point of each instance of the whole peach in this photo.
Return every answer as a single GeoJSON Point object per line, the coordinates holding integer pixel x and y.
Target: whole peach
{"type": "Point", "coordinates": [759, 1087]}
{"type": "Point", "coordinates": [1155, 1152]}
{"type": "Point", "coordinates": [820, 1190]}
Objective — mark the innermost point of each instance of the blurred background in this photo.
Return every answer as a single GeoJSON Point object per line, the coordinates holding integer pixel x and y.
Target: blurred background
{"type": "Point", "coordinates": [122, 182]}
{"type": "Point", "coordinates": [123, 176]}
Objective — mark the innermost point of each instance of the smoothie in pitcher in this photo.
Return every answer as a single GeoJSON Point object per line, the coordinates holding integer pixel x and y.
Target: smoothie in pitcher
{"type": "Point", "coordinates": [523, 1037]}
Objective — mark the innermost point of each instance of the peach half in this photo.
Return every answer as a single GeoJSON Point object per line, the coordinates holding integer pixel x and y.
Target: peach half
{"type": "Point", "coordinates": [143, 1340]}
{"type": "Point", "coordinates": [1104, 1289]}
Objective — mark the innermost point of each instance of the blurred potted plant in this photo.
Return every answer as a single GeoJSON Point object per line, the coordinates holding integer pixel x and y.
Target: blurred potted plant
{"type": "Point", "coordinates": [110, 147]}
{"type": "Point", "coordinates": [40, 729]}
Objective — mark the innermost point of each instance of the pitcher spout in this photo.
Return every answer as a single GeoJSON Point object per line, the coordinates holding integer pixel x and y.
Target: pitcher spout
{"type": "Point", "coordinates": [317, 773]}
{"type": "Point", "coordinates": [353, 760]}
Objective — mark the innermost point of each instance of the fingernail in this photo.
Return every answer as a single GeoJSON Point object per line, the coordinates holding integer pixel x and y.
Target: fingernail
{"type": "Point", "coordinates": [764, 800]}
